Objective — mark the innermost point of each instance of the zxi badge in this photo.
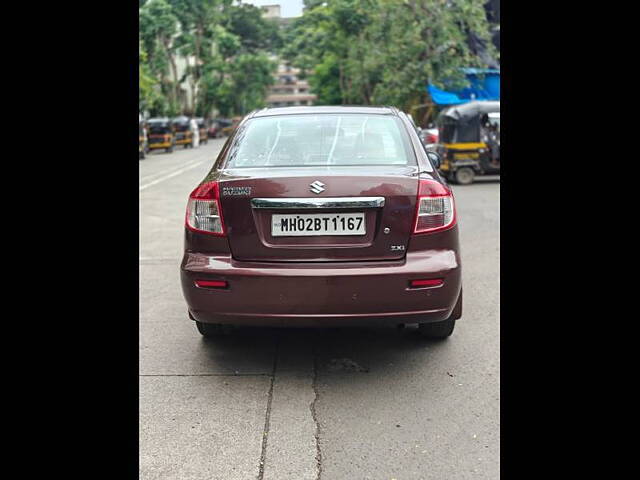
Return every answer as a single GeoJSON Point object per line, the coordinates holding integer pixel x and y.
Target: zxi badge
{"type": "Point", "coordinates": [317, 187]}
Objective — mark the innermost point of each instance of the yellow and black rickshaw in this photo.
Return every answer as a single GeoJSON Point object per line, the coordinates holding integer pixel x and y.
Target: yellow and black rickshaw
{"type": "Point", "coordinates": [469, 141]}
{"type": "Point", "coordinates": [184, 135]}
{"type": "Point", "coordinates": [143, 145]}
{"type": "Point", "coordinates": [202, 130]}
{"type": "Point", "coordinates": [160, 134]}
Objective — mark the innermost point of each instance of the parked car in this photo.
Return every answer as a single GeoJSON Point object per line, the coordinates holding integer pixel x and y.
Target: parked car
{"type": "Point", "coordinates": [230, 126]}
{"type": "Point", "coordinates": [430, 138]}
{"type": "Point", "coordinates": [323, 216]}
{"type": "Point", "coordinates": [215, 128]}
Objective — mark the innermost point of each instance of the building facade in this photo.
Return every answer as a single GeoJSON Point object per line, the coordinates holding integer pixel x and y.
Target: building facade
{"type": "Point", "coordinates": [289, 89]}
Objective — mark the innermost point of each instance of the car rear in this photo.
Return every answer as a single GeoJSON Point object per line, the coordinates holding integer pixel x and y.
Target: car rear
{"type": "Point", "coordinates": [322, 217]}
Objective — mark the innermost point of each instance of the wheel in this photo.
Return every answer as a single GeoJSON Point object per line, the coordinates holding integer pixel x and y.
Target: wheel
{"type": "Point", "coordinates": [444, 329]}
{"type": "Point", "coordinates": [464, 176]}
{"type": "Point", "coordinates": [186, 145]}
{"type": "Point", "coordinates": [437, 330]}
{"type": "Point", "coordinates": [169, 149]}
{"type": "Point", "coordinates": [209, 330]}
{"type": "Point", "coordinates": [141, 156]}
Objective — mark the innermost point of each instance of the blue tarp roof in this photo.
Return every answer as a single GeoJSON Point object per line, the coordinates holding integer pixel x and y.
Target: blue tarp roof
{"type": "Point", "coordinates": [484, 85]}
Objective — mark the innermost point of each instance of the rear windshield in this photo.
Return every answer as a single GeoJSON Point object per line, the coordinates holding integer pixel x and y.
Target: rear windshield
{"type": "Point", "coordinates": [316, 140]}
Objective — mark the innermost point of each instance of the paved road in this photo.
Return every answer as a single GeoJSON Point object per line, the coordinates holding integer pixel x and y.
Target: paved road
{"type": "Point", "coordinates": [330, 404]}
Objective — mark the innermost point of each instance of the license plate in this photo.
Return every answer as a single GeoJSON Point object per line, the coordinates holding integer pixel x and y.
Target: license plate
{"type": "Point", "coordinates": [304, 225]}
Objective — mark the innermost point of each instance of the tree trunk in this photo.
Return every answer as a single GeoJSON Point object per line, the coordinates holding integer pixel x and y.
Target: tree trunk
{"type": "Point", "coordinates": [196, 70]}
{"type": "Point", "coordinates": [174, 71]}
{"type": "Point", "coordinates": [341, 80]}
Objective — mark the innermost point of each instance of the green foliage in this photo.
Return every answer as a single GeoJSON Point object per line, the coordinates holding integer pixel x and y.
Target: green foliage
{"type": "Point", "coordinates": [384, 51]}
{"type": "Point", "coordinates": [211, 48]}
{"type": "Point", "coordinates": [352, 51]}
{"type": "Point", "coordinates": [147, 92]}
{"type": "Point", "coordinates": [250, 76]}
{"type": "Point", "coordinates": [255, 33]}
{"type": "Point", "coordinates": [325, 81]}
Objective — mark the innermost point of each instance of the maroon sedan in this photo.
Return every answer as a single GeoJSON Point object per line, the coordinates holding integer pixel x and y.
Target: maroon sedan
{"type": "Point", "coordinates": [323, 216]}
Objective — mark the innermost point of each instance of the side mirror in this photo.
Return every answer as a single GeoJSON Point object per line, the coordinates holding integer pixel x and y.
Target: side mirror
{"type": "Point", "coordinates": [434, 158]}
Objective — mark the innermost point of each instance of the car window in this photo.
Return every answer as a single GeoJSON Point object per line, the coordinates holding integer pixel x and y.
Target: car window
{"type": "Point", "coordinates": [328, 139]}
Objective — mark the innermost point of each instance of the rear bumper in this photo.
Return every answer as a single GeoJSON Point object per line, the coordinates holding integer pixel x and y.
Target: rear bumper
{"type": "Point", "coordinates": [331, 294]}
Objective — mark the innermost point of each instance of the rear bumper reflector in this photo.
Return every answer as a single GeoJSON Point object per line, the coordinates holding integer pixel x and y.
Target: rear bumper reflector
{"type": "Point", "coordinates": [432, 282]}
{"type": "Point", "coordinates": [211, 284]}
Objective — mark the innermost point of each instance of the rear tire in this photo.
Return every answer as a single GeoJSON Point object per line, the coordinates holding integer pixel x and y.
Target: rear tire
{"type": "Point", "coordinates": [464, 176]}
{"type": "Point", "coordinates": [437, 330]}
{"type": "Point", "coordinates": [442, 330]}
{"type": "Point", "coordinates": [169, 150]}
{"type": "Point", "coordinates": [210, 330]}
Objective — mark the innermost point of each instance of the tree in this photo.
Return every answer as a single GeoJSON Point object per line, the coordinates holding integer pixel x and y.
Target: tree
{"type": "Point", "coordinates": [250, 77]}
{"type": "Point", "coordinates": [148, 96]}
{"type": "Point", "coordinates": [198, 20]}
{"type": "Point", "coordinates": [384, 51]}
{"type": "Point", "coordinates": [223, 46]}
{"type": "Point", "coordinates": [157, 28]}
{"type": "Point", "coordinates": [255, 32]}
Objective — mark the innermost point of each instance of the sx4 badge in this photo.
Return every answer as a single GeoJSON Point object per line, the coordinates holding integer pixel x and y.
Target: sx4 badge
{"type": "Point", "coordinates": [229, 191]}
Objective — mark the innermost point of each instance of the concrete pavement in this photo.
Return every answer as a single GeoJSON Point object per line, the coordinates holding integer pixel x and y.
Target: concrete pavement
{"type": "Point", "coordinates": [307, 404]}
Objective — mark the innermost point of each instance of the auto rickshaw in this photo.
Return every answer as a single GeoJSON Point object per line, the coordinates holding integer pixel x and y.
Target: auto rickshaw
{"type": "Point", "coordinates": [143, 145]}
{"type": "Point", "coordinates": [160, 134]}
{"type": "Point", "coordinates": [184, 135]}
{"type": "Point", "coordinates": [469, 141]}
{"type": "Point", "coordinates": [229, 128]}
{"type": "Point", "coordinates": [202, 130]}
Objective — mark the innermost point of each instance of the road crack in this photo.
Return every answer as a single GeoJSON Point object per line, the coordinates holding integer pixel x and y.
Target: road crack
{"type": "Point", "coordinates": [314, 413]}
{"type": "Point", "coordinates": [205, 375]}
{"type": "Point", "coordinates": [267, 417]}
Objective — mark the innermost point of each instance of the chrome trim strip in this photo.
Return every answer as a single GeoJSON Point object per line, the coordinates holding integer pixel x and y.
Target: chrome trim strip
{"type": "Point", "coordinates": [335, 202]}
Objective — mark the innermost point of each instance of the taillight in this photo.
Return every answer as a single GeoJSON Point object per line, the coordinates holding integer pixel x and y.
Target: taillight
{"type": "Point", "coordinates": [203, 210]}
{"type": "Point", "coordinates": [435, 209]}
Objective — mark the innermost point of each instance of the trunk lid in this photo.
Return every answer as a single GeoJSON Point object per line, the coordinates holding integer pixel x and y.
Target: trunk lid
{"type": "Point", "coordinates": [249, 224]}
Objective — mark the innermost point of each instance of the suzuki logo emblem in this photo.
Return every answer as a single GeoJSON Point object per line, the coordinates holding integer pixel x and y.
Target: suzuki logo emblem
{"type": "Point", "coordinates": [317, 187]}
